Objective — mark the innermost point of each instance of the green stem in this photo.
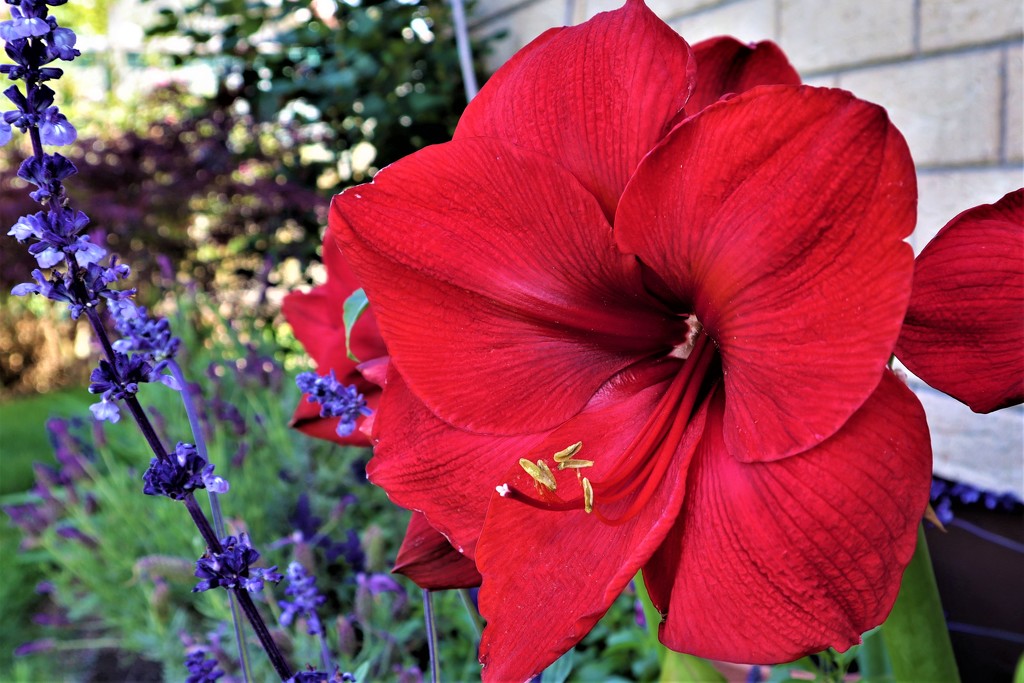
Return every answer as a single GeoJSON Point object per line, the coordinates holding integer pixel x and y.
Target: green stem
{"type": "Point", "coordinates": [915, 633]}
{"type": "Point", "coordinates": [471, 611]}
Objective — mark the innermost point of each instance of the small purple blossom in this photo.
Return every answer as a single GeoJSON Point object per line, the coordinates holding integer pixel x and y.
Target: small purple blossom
{"type": "Point", "coordinates": [22, 26]}
{"type": "Point", "coordinates": [121, 379]}
{"type": "Point", "coordinates": [142, 333]}
{"type": "Point", "coordinates": [945, 493]}
{"type": "Point", "coordinates": [62, 42]}
{"type": "Point", "coordinates": [335, 399]}
{"type": "Point", "coordinates": [305, 599]}
{"type": "Point", "coordinates": [232, 568]}
{"type": "Point", "coordinates": [180, 474]}
{"type": "Point", "coordinates": [201, 669]}
{"type": "Point", "coordinates": [55, 129]}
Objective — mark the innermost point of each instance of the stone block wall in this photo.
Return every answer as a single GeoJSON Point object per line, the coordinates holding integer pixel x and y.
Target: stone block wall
{"type": "Point", "coordinates": [950, 74]}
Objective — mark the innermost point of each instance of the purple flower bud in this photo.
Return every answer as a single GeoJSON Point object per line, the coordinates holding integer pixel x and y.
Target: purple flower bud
{"type": "Point", "coordinates": [232, 568]}
{"type": "Point", "coordinates": [180, 474]}
{"type": "Point", "coordinates": [34, 646]}
{"type": "Point", "coordinates": [306, 598]}
{"type": "Point", "coordinates": [201, 669]}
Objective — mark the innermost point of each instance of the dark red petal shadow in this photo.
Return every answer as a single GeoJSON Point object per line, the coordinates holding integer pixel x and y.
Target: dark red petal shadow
{"type": "Point", "coordinates": [429, 560]}
{"type": "Point", "coordinates": [725, 65]}
{"type": "Point", "coordinates": [772, 561]}
{"type": "Point", "coordinates": [779, 216]}
{"type": "Point", "coordinates": [964, 332]}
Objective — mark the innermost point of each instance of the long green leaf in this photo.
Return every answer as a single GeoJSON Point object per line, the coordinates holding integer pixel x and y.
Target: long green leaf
{"type": "Point", "coordinates": [915, 634]}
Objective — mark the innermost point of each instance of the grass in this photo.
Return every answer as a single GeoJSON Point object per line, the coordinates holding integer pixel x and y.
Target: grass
{"type": "Point", "coordinates": [23, 437]}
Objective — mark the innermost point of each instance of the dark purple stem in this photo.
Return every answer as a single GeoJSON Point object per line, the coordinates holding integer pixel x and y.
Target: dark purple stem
{"type": "Point", "coordinates": [263, 633]}
{"type": "Point", "coordinates": [203, 524]}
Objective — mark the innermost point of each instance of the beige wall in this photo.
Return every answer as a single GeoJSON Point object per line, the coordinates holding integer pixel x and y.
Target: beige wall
{"type": "Point", "coordinates": [950, 74]}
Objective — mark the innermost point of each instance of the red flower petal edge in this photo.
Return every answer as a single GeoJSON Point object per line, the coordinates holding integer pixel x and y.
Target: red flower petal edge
{"type": "Point", "coordinates": [430, 561]}
{"type": "Point", "coordinates": [964, 332]}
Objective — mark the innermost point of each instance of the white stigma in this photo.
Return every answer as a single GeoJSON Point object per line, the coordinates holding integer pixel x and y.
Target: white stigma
{"type": "Point", "coordinates": [502, 490]}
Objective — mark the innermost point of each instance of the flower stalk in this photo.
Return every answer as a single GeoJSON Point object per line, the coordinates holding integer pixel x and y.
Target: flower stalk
{"type": "Point", "coordinates": [915, 633]}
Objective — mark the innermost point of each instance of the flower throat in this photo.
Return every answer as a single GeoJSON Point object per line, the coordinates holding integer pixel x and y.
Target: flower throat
{"type": "Point", "coordinates": [646, 458]}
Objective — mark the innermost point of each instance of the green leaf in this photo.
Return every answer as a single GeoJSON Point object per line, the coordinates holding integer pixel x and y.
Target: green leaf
{"type": "Point", "coordinates": [559, 671]}
{"type": "Point", "coordinates": [360, 674]}
{"type": "Point", "coordinates": [680, 668]}
{"type": "Point", "coordinates": [915, 633]}
{"type": "Point", "coordinates": [354, 307]}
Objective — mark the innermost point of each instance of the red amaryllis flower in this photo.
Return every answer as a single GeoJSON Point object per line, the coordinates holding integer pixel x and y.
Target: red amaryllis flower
{"type": "Point", "coordinates": [963, 333]}
{"type": "Point", "coordinates": [617, 346]}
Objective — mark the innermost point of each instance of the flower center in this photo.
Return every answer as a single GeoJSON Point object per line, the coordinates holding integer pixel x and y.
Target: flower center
{"type": "Point", "coordinates": [645, 460]}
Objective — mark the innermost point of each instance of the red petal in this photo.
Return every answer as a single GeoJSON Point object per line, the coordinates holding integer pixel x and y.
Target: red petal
{"type": "Point", "coordinates": [549, 576]}
{"type": "Point", "coordinates": [490, 266]}
{"type": "Point", "coordinates": [963, 333]}
{"type": "Point", "coordinates": [725, 65]}
{"type": "Point", "coordinates": [778, 216]}
{"type": "Point", "coordinates": [772, 561]}
{"type": "Point", "coordinates": [430, 561]}
{"type": "Point", "coordinates": [427, 465]}
{"type": "Point", "coordinates": [594, 97]}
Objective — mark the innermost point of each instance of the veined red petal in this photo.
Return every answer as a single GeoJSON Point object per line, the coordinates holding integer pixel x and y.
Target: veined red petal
{"type": "Point", "coordinates": [725, 65]}
{"type": "Point", "coordinates": [427, 465]}
{"type": "Point", "coordinates": [594, 97]}
{"type": "Point", "coordinates": [778, 216]}
{"type": "Point", "coordinates": [772, 561]}
{"type": "Point", "coordinates": [430, 561]}
{"type": "Point", "coordinates": [490, 266]}
{"type": "Point", "coordinates": [964, 332]}
{"type": "Point", "coordinates": [549, 576]}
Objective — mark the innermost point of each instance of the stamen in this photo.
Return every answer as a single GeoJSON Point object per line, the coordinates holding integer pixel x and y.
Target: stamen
{"type": "Point", "coordinates": [540, 473]}
{"type": "Point", "coordinates": [588, 496]}
{"type": "Point", "coordinates": [567, 453]}
{"type": "Point", "coordinates": [575, 464]}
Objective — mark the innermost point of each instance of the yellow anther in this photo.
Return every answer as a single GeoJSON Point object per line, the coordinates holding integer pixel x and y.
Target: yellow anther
{"type": "Point", "coordinates": [575, 464]}
{"type": "Point", "coordinates": [566, 454]}
{"type": "Point", "coordinates": [540, 472]}
{"type": "Point", "coordinates": [588, 496]}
